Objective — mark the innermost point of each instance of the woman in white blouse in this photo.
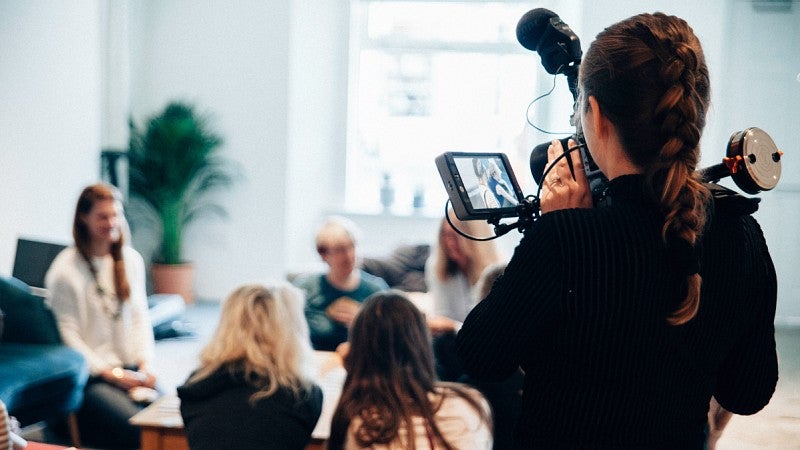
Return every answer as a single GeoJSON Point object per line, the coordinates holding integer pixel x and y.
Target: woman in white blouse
{"type": "Point", "coordinates": [97, 292]}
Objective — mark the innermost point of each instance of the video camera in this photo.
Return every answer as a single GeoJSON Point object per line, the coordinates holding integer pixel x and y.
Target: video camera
{"type": "Point", "coordinates": [477, 183]}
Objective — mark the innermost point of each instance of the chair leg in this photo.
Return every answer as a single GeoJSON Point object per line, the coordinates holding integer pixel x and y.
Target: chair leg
{"type": "Point", "coordinates": [72, 421]}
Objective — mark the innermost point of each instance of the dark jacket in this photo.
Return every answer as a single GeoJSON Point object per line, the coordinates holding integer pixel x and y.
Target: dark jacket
{"type": "Point", "coordinates": [217, 413]}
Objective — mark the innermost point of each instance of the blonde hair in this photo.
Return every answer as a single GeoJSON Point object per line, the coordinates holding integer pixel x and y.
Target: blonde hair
{"type": "Point", "coordinates": [333, 228]}
{"type": "Point", "coordinates": [263, 333]}
{"type": "Point", "coordinates": [480, 254]}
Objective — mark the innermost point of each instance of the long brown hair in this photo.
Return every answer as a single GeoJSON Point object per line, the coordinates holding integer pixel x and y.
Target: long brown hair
{"type": "Point", "coordinates": [390, 372]}
{"type": "Point", "coordinates": [480, 254]}
{"type": "Point", "coordinates": [649, 76]}
{"type": "Point", "coordinates": [80, 233]}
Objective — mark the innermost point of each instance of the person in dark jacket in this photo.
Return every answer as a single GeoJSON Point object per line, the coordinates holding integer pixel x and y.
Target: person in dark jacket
{"type": "Point", "coordinates": [254, 387]}
{"type": "Point", "coordinates": [624, 331]}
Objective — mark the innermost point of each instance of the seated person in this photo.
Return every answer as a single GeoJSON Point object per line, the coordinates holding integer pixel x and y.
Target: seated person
{"type": "Point", "coordinates": [252, 389]}
{"type": "Point", "coordinates": [391, 398]}
{"type": "Point", "coordinates": [452, 271]}
{"type": "Point", "coordinates": [334, 298]}
{"type": "Point", "coordinates": [97, 293]}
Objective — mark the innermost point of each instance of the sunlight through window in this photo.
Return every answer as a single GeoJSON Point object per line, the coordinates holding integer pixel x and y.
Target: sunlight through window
{"type": "Point", "coordinates": [429, 77]}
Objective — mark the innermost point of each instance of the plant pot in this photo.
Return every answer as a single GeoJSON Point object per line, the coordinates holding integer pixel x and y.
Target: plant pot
{"type": "Point", "coordinates": [174, 279]}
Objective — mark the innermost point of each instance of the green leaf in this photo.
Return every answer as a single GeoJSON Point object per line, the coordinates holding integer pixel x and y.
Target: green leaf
{"type": "Point", "coordinates": [174, 164]}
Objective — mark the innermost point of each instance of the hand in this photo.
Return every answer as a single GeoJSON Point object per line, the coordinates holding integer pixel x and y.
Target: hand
{"type": "Point", "coordinates": [718, 418]}
{"type": "Point", "coordinates": [342, 352]}
{"type": "Point", "coordinates": [441, 325]}
{"type": "Point", "coordinates": [126, 379]}
{"type": "Point", "coordinates": [343, 310]}
{"type": "Point", "coordinates": [149, 380]}
{"type": "Point", "coordinates": [560, 190]}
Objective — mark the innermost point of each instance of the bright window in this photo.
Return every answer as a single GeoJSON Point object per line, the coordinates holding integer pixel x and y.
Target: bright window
{"type": "Point", "coordinates": [429, 77]}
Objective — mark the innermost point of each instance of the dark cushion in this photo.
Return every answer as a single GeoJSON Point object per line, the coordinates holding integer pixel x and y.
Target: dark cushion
{"type": "Point", "coordinates": [403, 269]}
{"type": "Point", "coordinates": [41, 382]}
{"type": "Point", "coordinates": [28, 320]}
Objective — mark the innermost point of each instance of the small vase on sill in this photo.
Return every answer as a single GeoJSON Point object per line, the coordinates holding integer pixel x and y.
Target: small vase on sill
{"type": "Point", "coordinates": [387, 192]}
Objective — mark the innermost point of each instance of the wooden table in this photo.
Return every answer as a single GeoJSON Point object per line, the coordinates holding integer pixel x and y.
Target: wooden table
{"type": "Point", "coordinates": [162, 425]}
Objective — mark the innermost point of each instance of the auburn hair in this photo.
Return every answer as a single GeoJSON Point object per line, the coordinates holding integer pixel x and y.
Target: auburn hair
{"type": "Point", "coordinates": [649, 76]}
{"type": "Point", "coordinates": [80, 233]}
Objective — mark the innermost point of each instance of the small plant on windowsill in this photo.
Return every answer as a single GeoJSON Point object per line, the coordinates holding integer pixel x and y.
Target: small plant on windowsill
{"type": "Point", "coordinates": [174, 164]}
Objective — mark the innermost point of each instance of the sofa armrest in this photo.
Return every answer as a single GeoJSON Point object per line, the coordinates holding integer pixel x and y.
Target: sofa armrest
{"type": "Point", "coordinates": [28, 319]}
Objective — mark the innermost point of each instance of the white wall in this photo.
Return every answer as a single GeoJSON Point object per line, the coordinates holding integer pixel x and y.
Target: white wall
{"type": "Point", "coordinates": [317, 116]}
{"type": "Point", "coordinates": [231, 59]}
{"type": "Point", "coordinates": [50, 122]}
{"type": "Point", "coordinates": [274, 73]}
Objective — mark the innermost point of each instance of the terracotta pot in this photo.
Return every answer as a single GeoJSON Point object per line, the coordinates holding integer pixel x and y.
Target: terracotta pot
{"type": "Point", "coordinates": [174, 279]}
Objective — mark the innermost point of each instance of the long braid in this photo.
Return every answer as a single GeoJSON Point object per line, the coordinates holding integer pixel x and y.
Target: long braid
{"type": "Point", "coordinates": [660, 59]}
{"type": "Point", "coordinates": [681, 114]}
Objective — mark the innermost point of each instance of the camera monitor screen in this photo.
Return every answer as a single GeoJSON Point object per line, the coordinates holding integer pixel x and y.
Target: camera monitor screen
{"type": "Point", "coordinates": [480, 185]}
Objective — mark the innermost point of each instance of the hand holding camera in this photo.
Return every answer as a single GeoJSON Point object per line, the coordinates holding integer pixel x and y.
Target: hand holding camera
{"type": "Point", "coordinates": [566, 185]}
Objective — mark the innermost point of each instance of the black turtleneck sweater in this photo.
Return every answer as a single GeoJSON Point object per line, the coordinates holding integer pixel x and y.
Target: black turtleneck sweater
{"type": "Point", "coordinates": [582, 308]}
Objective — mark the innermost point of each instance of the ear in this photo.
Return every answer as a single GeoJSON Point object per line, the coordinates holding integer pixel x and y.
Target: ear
{"type": "Point", "coordinates": [601, 126]}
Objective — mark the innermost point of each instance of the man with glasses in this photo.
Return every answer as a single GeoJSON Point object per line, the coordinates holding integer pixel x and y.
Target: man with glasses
{"type": "Point", "coordinates": [334, 298]}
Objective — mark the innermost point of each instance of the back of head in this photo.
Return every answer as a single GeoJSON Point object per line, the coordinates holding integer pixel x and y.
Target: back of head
{"type": "Point", "coordinates": [263, 333]}
{"type": "Point", "coordinates": [390, 376]}
{"type": "Point", "coordinates": [390, 373]}
{"type": "Point", "coordinates": [649, 76]}
{"type": "Point", "coordinates": [389, 339]}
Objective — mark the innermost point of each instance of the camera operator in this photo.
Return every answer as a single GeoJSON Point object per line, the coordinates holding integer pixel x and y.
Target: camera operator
{"type": "Point", "coordinates": [602, 306]}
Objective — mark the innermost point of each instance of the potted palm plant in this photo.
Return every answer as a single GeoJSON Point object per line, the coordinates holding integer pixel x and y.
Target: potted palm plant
{"type": "Point", "coordinates": [174, 163]}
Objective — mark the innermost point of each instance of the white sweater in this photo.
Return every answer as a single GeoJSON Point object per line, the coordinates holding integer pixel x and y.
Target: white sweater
{"type": "Point", "coordinates": [86, 317]}
{"type": "Point", "coordinates": [452, 298]}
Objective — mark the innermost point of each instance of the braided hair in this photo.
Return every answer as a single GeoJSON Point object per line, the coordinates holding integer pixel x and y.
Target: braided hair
{"type": "Point", "coordinates": [648, 74]}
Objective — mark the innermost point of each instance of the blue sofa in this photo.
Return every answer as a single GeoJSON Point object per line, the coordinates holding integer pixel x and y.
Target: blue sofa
{"type": "Point", "coordinates": [41, 379]}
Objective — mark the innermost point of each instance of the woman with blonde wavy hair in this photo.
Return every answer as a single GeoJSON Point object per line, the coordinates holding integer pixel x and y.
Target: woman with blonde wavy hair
{"type": "Point", "coordinates": [603, 307]}
{"type": "Point", "coordinates": [254, 388]}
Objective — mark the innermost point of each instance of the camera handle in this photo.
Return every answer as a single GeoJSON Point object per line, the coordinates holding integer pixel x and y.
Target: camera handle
{"type": "Point", "coordinates": [528, 210]}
